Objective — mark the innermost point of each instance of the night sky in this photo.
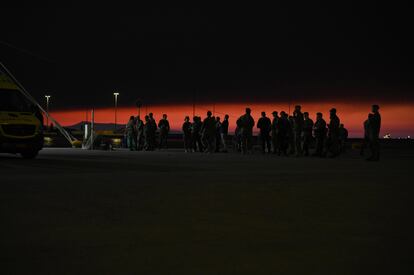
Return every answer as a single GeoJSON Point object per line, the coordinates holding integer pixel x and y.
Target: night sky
{"type": "Point", "coordinates": [227, 54]}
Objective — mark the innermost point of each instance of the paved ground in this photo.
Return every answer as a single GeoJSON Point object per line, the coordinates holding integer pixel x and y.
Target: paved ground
{"type": "Point", "coordinates": [80, 212]}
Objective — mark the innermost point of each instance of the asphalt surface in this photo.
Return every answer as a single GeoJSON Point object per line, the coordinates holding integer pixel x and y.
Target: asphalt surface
{"type": "Point", "coordinates": [95, 212]}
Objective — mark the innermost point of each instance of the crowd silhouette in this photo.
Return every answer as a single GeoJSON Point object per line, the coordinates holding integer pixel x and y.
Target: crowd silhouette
{"type": "Point", "coordinates": [282, 135]}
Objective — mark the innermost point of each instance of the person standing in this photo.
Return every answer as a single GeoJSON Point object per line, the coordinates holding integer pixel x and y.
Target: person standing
{"type": "Point", "coordinates": [152, 127]}
{"type": "Point", "coordinates": [218, 134]}
{"type": "Point", "coordinates": [208, 132]}
{"type": "Point", "coordinates": [224, 132]}
{"type": "Point", "coordinates": [298, 129]}
{"type": "Point", "coordinates": [237, 140]}
{"type": "Point", "coordinates": [148, 132]}
{"type": "Point", "coordinates": [264, 125]}
{"type": "Point", "coordinates": [187, 134]}
{"type": "Point", "coordinates": [164, 127]}
{"type": "Point", "coordinates": [283, 129]}
{"type": "Point", "coordinates": [130, 133]}
{"type": "Point", "coordinates": [291, 136]}
{"type": "Point", "coordinates": [140, 133]}
{"type": "Point", "coordinates": [274, 127]}
{"type": "Point", "coordinates": [246, 131]}
{"type": "Point", "coordinates": [307, 133]}
{"type": "Point", "coordinates": [375, 128]}
{"type": "Point", "coordinates": [319, 131]}
{"type": "Point", "coordinates": [332, 145]}
{"type": "Point", "coordinates": [196, 134]}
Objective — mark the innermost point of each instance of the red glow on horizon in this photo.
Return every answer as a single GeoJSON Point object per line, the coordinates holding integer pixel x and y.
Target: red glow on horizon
{"type": "Point", "coordinates": [351, 115]}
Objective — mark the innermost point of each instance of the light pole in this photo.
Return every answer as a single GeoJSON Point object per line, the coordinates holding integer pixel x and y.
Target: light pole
{"type": "Point", "coordinates": [47, 110]}
{"type": "Point", "coordinates": [116, 107]}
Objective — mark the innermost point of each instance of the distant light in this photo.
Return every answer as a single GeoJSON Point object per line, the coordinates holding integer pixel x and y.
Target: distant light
{"type": "Point", "coordinates": [387, 136]}
{"type": "Point", "coordinates": [116, 94]}
{"type": "Point", "coordinates": [48, 141]}
{"type": "Point", "coordinates": [116, 141]}
{"type": "Point", "coordinates": [409, 137]}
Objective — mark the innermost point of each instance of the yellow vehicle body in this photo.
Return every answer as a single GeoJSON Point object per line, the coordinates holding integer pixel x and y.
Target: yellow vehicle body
{"type": "Point", "coordinates": [21, 123]}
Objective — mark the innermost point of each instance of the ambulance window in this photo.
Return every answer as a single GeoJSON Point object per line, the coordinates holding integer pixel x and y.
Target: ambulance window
{"type": "Point", "coordinates": [13, 101]}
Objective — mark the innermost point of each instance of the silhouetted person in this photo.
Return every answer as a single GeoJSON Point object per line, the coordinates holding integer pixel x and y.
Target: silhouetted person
{"type": "Point", "coordinates": [246, 131]}
{"type": "Point", "coordinates": [140, 133]}
{"type": "Point", "coordinates": [130, 133]}
{"type": "Point", "coordinates": [332, 144]}
{"type": "Point", "coordinates": [274, 127]}
{"type": "Point", "coordinates": [164, 127]}
{"type": "Point", "coordinates": [208, 132]}
{"type": "Point", "coordinates": [264, 125]}
{"type": "Point", "coordinates": [187, 134]}
{"type": "Point", "coordinates": [366, 140]}
{"type": "Point", "coordinates": [237, 140]}
{"type": "Point", "coordinates": [224, 131]}
{"type": "Point", "coordinates": [135, 133]}
{"type": "Point", "coordinates": [319, 131]}
{"type": "Point", "coordinates": [307, 133]}
{"type": "Point", "coordinates": [148, 134]}
{"type": "Point", "coordinates": [283, 129]}
{"type": "Point", "coordinates": [291, 136]}
{"type": "Point", "coordinates": [152, 131]}
{"type": "Point", "coordinates": [196, 134]}
{"type": "Point", "coordinates": [218, 134]}
{"type": "Point", "coordinates": [297, 129]}
{"type": "Point", "coordinates": [343, 136]}
{"type": "Point", "coordinates": [375, 128]}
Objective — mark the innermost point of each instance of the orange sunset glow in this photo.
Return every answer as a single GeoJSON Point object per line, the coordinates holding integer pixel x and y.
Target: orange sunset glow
{"type": "Point", "coordinates": [397, 119]}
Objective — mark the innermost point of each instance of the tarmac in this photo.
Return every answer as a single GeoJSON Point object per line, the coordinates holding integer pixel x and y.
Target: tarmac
{"type": "Point", "coordinates": [72, 211]}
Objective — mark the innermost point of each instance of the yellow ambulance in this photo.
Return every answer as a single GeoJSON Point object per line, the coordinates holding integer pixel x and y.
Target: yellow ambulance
{"type": "Point", "coordinates": [21, 121]}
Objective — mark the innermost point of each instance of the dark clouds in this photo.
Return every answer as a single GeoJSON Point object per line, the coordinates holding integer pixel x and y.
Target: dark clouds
{"type": "Point", "coordinates": [313, 52]}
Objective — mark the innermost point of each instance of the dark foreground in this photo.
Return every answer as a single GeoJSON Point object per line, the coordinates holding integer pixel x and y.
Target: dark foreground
{"type": "Point", "coordinates": [80, 212]}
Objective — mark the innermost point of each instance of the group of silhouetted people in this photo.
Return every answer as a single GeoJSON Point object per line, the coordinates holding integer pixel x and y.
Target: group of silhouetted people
{"type": "Point", "coordinates": [283, 135]}
{"type": "Point", "coordinates": [208, 135]}
{"type": "Point", "coordinates": [292, 135]}
{"type": "Point", "coordinates": [141, 135]}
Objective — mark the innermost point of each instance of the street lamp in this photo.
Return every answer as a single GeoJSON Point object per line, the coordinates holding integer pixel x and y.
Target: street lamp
{"type": "Point", "coordinates": [47, 110]}
{"type": "Point", "coordinates": [116, 107]}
